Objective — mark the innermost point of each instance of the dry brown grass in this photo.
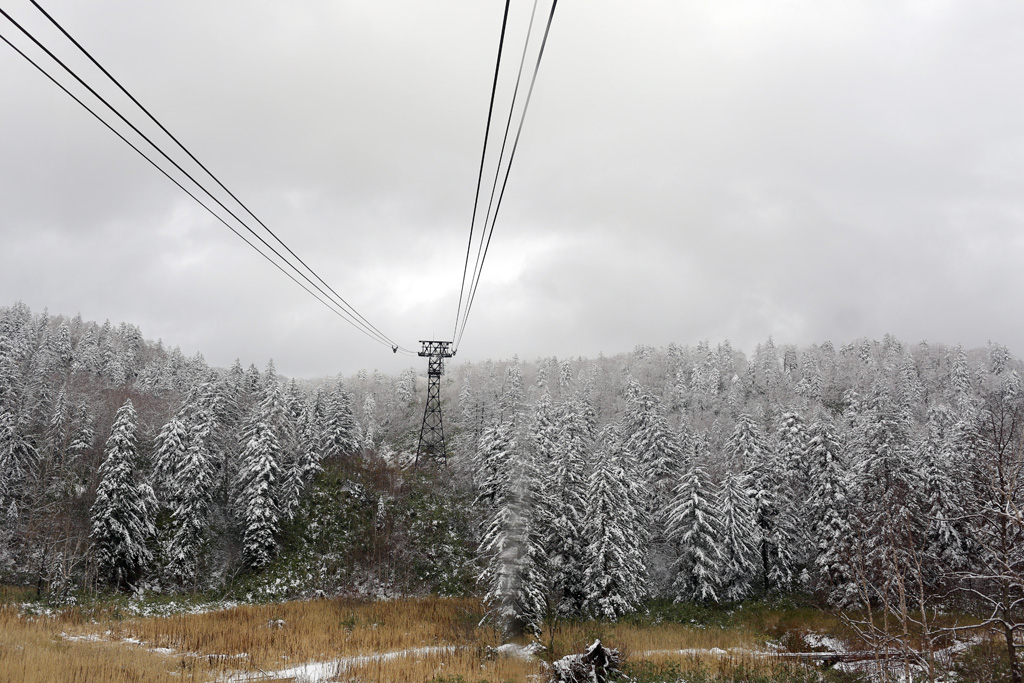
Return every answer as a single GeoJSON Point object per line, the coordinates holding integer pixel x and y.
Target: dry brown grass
{"type": "Point", "coordinates": [635, 640]}
{"type": "Point", "coordinates": [250, 639]}
{"type": "Point", "coordinates": [271, 635]}
{"type": "Point", "coordinates": [32, 650]}
{"type": "Point", "coordinates": [471, 665]}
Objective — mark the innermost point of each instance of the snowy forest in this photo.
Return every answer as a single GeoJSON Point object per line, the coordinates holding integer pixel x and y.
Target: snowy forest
{"type": "Point", "coordinates": [876, 474]}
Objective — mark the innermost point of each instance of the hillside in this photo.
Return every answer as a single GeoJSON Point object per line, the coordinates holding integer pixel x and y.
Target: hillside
{"type": "Point", "coordinates": [874, 475]}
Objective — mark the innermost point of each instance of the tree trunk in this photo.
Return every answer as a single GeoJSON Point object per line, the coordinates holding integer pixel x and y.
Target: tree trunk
{"type": "Point", "coordinates": [1011, 651]}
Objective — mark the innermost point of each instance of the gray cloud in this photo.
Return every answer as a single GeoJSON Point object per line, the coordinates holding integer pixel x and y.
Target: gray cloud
{"type": "Point", "coordinates": [815, 170]}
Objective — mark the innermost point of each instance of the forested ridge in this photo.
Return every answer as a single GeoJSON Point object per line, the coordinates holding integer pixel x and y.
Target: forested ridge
{"type": "Point", "coordinates": [874, 474]}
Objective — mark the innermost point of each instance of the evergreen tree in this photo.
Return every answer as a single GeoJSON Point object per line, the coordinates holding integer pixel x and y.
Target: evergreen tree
{"type": "Point", "coordinates": [616, 575]}
{"type": "Point", "coordinates": [765, 479]}
{"type": "Point", "coordinates": [567, 495]}
{"type": "Point", "coordinates": [745, 446]}
{"type": "Point", "coordinates": [651, 443]}
{"type": "Point", "coordinates": [694, 525]}
{"type": "Point", "coordinates": [827, 508]}
{"type": "Point", "coordinates": [301, 470]}
{"type": "Point", "coordinates": [341, 433]}
{"type": "Point", "coordinates": [257, 498]}
{"type": "Point", "coordinates": [794, 489]}
{"type": "Point", "coordinates": [500, 443]}
{"type": "Point", "coordinates": [792, 445]}
{"type": "Point", "coordinates": [544, 430]}
{"type": "Point", "coordinates": [171, 448]}
{"type": "Point", "coordinates": [192, 494]}
{"type": "Point", "coordinates": [705, 377]}
{"type": "Point", "coordinates": [947, 546]}
{"type": "Point", "coordinates": [122, 514]}
{"type": "Point", "coordinates": [19, 460]}
{"type": "Point", "coordinates": [960, 381]}
{"type": "Point", "coordinates": [888, 516]}
{"type": "Point", "coordinates": [513, 546]}
{"type": "Point", "coordinates": [738, 539]}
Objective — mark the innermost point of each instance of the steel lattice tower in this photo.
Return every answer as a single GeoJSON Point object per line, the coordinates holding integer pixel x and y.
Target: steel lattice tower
{"type": "Point", "coordinates": [432, 432]}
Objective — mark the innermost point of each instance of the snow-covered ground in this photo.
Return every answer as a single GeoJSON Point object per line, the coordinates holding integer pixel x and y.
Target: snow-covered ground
{"type": "Point", "coordinates": [310, 672]}
{"type": "Point", "coordinates": [827, 642]}
{"type": "Point", "coordinates": [320, 672]}
{"type": "Point", "coordinates": [526, 652]}
{"type": "Point", "coordinates": [324, 671]}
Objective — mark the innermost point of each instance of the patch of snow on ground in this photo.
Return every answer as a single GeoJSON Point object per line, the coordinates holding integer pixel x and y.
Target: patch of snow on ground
{"type": "Point", "coordinates": [320, 672]}
{"type": "Point", "coordinates": [526, 652]}
{"type": "Point", "coordinates": [826, 641]}
{"type": "Point", "coordinates": [696, 651]}
{"type": "Point", "coordinates": [90, 637]}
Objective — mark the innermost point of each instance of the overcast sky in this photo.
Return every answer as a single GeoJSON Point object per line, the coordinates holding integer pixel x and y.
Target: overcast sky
{"type": "Point", "coordinates": [806, 169]}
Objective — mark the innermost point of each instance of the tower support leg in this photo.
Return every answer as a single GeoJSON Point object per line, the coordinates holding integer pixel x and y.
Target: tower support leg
{"type": "Point", "coordinates": [431, 446]}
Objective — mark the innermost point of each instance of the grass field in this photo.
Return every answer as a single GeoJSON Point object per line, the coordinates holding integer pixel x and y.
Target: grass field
{"type": "Point", "coordinates": [430, 639]}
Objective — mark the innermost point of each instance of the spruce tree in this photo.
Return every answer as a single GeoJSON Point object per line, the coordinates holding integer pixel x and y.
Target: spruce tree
{"type": "Point", "coordinates": [745, 446]}
{"type": "Point", "coordinates": [567, 495]}
{"type": "Point", "coordinates": [793, 492]}
{"type": "Point", "coordinates": [303, 467]}
{"type": "Point", "coordinates": [764, 477]}
{"type": "Point", "coordinates": [257, 504]}
{"type": "Point", "coordinates": [513, 548]}
{"type": "Point", "coordinates": [171, 446]}
{"type": "Point", "coordinates": [695, 527]}
{"type": "Point", "coordinates": [651, 443]}
{"type": "Point", "coordinates": [192, 494]}
{"type": "Point", "coordinates": [341, 433]}
{"type": "Point", "coordinates": [122, 514]}
{"type": "Point", "coordinates": [827, 509]}
{"type": "Point", "coordinates": [616, 574]}
{"type": "Point", "coordinates": [738, 539]}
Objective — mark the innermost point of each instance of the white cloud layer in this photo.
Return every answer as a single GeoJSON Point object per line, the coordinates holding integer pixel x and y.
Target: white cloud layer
{"type": "Point", "coordinates": [805, 169]}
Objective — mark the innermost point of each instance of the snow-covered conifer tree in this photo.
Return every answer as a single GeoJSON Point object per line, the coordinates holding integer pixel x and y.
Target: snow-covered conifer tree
{"type": "Point", "coordinates": [746, 443]}
{"type": "Point", "coordinates": [370, 427]}
{"type": "Point", "coordinates": [792, 447]}
{"type": "Point", "coordinates": [499, 443]}
{"type": "Point", "coordinates": [122, 514]}
{"type": "Point", "coordinates": [947, 546]}
{"type": "Point", "coordinates": [303, 467]}
{"type": "Point", "coordinates": [170, 448]}
{"type": "Point", "coordinates": [616, 574]}
{"type": "Point", "coordinates": [886, 492]}
{"type": "Point", "coordinates": [764, 478]}
{"type": "Point", "coordinates": [827, 508]}
{"type": "Point", "coordinates": [739, 539]}
{"type": "Point", "coordinates": [19, 459]}
{"type": "Point", "coordinates": [512, 392]}
{"type": "Point", "coordinates": [492, 460]}
{"type": "Point", "coordinates": [705, 377]}
{"type": "Point", "coordinates": [960, 381]}
{"type": "Point", "coordinates": [651, 443]}
{"type": "Point", "coordinates": [695, 527]}
{"type": "Point", "coordinates": [513, 546]}
{"type": "Point", "coordinates": [794, 490]}
{"type": "Point", "coordinates": [341, 433]}
{"type": "Point", "coordinates": [543, 430]}
{"type": "Point", "coordinates": [257, 495]}
{"type": "Point", "coordinates": [191, 488]}
{"type": "Point", "coordinates": [566, 485]}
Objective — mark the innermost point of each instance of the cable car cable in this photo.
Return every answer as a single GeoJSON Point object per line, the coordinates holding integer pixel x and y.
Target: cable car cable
{"type": "Point", "coordinates": [342, 314]}
{"type": "Point", "coordinates": [483, 157]}
{"type": "Point", "coordinates": [515, 146]}
{"type": "Point", "coordinates": [208, 172]}
{"type": "Point", "coordinates": [376, 334]}
{"type": "Point", "coordinates": [501, 157]}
